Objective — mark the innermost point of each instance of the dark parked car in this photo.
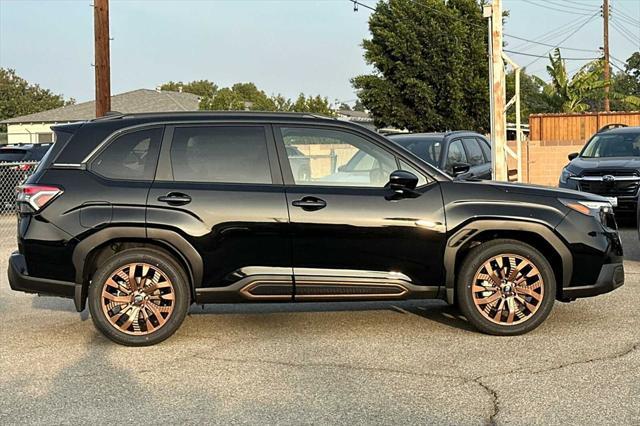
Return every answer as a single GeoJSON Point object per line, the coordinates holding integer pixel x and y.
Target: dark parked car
{"type": "Point", "coordinates": [142, 215]}
{"type": "Point", "coordinates": [608, 165]}
{"type": "Point", "coordinates": [450, 150]}
{"type": "Point", "coordinates": [16, 163]}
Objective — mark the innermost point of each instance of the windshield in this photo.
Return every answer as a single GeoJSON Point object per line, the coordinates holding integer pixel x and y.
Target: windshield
{"type": "Point", "coordinates": [8, 155]}
{"type": "Point", "coordinates": [613, 145]}
{"type": "Point", "coordinates": [427, 148]}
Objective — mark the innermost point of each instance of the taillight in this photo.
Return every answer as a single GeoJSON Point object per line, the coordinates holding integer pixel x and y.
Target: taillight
{"type": "Point", "coordinates": [37, 196]}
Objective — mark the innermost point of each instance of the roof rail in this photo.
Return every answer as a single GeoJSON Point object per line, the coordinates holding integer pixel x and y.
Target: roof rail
{"type": "Point", "coordinates": [109, 115]}
{"type": "Point", "coordinates": [612, 126]}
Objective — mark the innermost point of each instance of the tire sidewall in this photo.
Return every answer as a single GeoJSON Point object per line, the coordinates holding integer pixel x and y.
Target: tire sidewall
{"type": "Point", "coordinates": [180, 287]}
{"type": "Point", "coordinates": [474, 260]}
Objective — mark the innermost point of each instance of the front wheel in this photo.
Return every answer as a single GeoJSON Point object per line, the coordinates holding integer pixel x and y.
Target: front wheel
{"type": "Point", "coordinates": [506, 287]}
{"type": "Point", "coordinates": [139, 297]}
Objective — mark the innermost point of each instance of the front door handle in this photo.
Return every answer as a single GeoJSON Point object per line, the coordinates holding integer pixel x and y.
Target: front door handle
{"type": "Point", "coordinates": [310, 203]}
{"type": "Point", "coordinates": [175, 199]}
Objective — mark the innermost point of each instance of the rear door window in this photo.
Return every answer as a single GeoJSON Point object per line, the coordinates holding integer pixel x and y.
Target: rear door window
{"type": "Point", "coordinates": [131, 156]}
{"type": "Point", "coordinates": [220, 154]}
{"type": "Point", "coordinates": [486, 148]}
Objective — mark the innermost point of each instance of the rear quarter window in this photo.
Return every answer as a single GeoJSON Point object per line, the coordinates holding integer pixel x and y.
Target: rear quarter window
{"type": "Point", "coordinates": [132, 156]}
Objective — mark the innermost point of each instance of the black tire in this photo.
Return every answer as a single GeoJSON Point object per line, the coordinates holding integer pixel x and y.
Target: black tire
{"type": "Point", "coordinates": [158, 261]}
{"type": "Point", "coordinates": [478, 314]}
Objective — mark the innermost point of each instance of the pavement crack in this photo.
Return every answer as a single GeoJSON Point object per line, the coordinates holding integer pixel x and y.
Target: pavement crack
{"type": "Point", "coordinates": [333, 365]}
{"type": "Point", "coordinates": [494, 400]}
{"type": "Point", "coordinates": [609, 357]}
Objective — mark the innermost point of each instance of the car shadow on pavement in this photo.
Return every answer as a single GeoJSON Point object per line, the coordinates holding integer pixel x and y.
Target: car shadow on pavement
{"type": "Point", "coordinates": [57, 304]}
{"type": "Point", "coordinates": [432, 310]}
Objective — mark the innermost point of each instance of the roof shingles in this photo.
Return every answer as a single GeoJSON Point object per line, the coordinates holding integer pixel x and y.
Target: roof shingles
{"type": "Point", "coordinates": [136, 101]}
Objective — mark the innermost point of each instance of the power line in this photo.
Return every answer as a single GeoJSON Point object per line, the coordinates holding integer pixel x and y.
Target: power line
{"type": "Point", "coordinates": [625, 15]}
{"type": "Point", "coordinates": [544, 56]}
{"type": "Point", "coordinates": [550, 45]}
{"type": "Point", "coordinates": [356, 3]}
{"type": "Point", "coordinates": [552, 34]}
{"type": "Point", "coordinates": [544, 6]}
{"type": "Point", "coordinates": [572, 8]}
{"type": "Point", "coordinates": [623, 32]}
{"type": "Point", "coordinates": [589, 19]}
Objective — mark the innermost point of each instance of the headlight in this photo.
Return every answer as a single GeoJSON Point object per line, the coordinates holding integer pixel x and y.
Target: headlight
{"type": "Point", "coordinates": [589, 208]}
{"type": "Point", "coordinates": [565, 175]}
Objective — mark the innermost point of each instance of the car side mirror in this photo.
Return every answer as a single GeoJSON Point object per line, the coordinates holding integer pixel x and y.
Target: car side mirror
{"type": "Point", "coordinates": [402, 180]}
{"type": "Point", "coordinates": [573, 155]}
{"type": "Point", "coordinates": [460, 169]}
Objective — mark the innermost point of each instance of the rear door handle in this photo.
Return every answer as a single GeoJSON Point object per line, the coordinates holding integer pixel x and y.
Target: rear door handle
{"type": "Point", "coordinates": [175, 199]}
{"type": "Point", "coordinates": [310, 203]}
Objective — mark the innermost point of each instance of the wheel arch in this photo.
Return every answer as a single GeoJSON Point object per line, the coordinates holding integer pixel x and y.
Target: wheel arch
{"type": "Point", "coordinates": [104, 243]}
{"type": "Point", "coordinates": [538, 235]}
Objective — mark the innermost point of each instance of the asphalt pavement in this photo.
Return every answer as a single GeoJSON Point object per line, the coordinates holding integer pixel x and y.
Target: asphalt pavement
{"type": "Point", "coordinates": [355, 363]}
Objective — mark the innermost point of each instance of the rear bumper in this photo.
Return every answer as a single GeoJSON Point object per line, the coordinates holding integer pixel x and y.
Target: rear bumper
{"type": "Point", "coordinates": [19, 280]}
{"type": "Point", "coordinates": [611, 277]}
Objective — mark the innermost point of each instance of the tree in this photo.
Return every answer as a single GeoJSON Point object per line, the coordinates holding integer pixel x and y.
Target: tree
{"type": "Point", "coordinates": [533, 99]}
{"type": "Point", "coordinates": [571, 94]}
{"type": "Point", "coordinates": [202, 88]}
{"type": "Point", "coordinates": [626, 85]}
{"type": "Point", "coordinates": [19, 97]}
{"type": "Point", "coordinates": [358, 106]}
{"type": "Point", "coordinates": [344, 107]}
{"type": "Point", "coordinates": [247, 97]}
{"type": "Point", "coordinates": [430, 66]}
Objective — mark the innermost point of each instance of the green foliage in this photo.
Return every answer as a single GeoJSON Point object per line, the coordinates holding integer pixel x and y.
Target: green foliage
{"type": "Point", "coordinates": [202, 88]}
{"type": "Point", "coordinates": [358, 106]}
{"type": "Point", "coordinates": [247, 97]}
{"type": "Point", "coordinates": [430, 66]}
{"type": "Point", "coordinates": [572, 94]}
{"type": "Point", "coordinates": [19, 97]}
{"type": "Point", "coordinates": [533, 98]}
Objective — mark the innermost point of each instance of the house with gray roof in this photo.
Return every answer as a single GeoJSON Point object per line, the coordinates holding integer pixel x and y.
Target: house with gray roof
{"type": "Point", "coordinates": [36, 128]}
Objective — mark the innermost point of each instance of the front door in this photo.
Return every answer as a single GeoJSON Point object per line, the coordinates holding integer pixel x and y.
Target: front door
{"type": "Point", "coordinates": [219, 188]}
{"type": "Point", "coordinates": [351, 237]}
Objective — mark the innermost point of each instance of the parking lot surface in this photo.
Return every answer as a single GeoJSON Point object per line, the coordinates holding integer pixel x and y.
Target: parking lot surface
{"type": "Point", "coordinates": [356, 363]}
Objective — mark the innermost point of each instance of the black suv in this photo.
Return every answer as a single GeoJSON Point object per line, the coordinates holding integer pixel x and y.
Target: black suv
{"type": "Point", "coordinates": [608, 165]}
{"type": "Point", "coordinates": [459, 153]}
{"type": "Point", "coordinates": [143, 215]}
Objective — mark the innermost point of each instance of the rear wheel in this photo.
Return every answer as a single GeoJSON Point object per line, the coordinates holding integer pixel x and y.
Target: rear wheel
{"type": "Point", "coordinates": [506, 287]}
{"type": "Point", "coordinates": [139, 297]}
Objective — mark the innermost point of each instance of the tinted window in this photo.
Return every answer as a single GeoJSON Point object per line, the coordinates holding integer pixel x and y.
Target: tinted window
{"type": "Point", "coordinates": [613, 145]}
{"type": "Point", "coordinates": [474, 152]}
{"type": "Point", "coordinates": [8, 154]}
{"type": "Point", "coordinates": [455, 155]}
{"type": "Point", "coordinates": [486, 149]}
{"type": "Point", "coordinates": [37, 152]}
{"type": "Point", "coordinates": [336, 158]}
{"type": "Point", "coordinates": [426, 148]}
{"type": "Point", "coordinates": [130, 156]}
{"type": "Point", "coordinates": [220, 154]}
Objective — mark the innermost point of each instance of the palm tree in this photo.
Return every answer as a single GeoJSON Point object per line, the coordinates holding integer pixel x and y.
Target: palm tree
{"type": "Point", "coordinates": [571, 94]}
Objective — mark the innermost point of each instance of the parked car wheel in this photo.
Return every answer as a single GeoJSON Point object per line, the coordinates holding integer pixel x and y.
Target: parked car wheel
{"type": "Point", "coordinates": [506, 287]}
{"type": "Point", "coordinates": [139, 297]}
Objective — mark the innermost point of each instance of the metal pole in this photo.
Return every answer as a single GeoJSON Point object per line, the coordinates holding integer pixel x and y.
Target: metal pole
{"type": "Point", "coordinates": [102, 62]}
{"type": "Point", "coordinates": [518, 125]}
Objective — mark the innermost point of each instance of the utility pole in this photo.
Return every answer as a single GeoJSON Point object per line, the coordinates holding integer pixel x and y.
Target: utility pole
{"type": "Point", "coordinates": [497, 91]}
{"type": "Point", "coordinates": [102, 61]}
{"type": "Point", "coordinates": [605, 18]}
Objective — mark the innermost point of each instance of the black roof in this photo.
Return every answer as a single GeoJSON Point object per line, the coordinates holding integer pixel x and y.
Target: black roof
{"type": "Point", "coordinates": [626, 129]}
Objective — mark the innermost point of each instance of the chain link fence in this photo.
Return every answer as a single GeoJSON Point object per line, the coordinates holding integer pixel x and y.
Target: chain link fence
{"type": "Point", "coordinates": [11, 176]}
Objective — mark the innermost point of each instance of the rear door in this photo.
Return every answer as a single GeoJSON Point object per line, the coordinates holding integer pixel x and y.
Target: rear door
{"type": "Point", "coordinates": [219, 187]}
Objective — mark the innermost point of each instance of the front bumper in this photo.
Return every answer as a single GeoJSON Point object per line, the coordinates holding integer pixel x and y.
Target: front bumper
{"type": "Point", "coordinates": [611, 277]}
{"type": "Point", "coordinates": [19, 280]}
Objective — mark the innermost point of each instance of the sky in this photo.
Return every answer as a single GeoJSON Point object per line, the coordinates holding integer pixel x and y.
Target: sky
{"type": "Point", "coordinates": [285, 46]}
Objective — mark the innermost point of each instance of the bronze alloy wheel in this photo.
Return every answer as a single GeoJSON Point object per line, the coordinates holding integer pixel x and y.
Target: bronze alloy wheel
{"type": "Point", "coordinates": [137, 298]}
{"type": "Point", "coordinates": [507, 289]}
